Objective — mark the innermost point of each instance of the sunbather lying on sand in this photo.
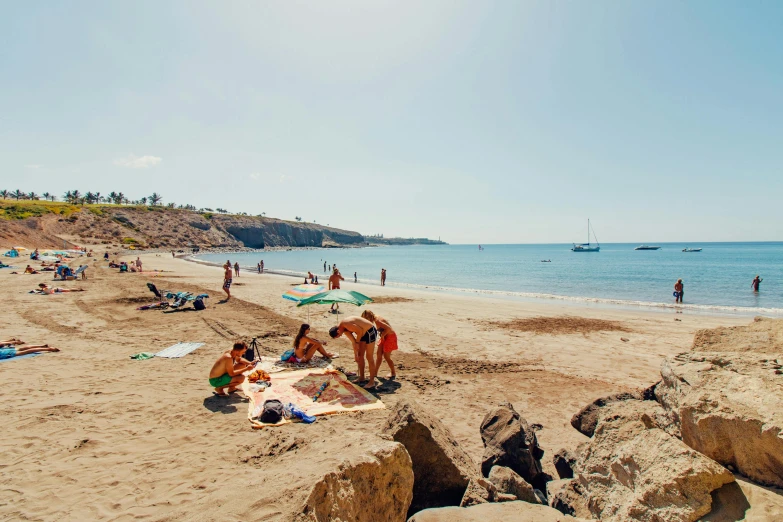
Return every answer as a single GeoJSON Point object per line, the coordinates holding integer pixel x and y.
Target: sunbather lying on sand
{"type": "Point", "coordinates": [7, 353]}
{"type": "Point", "coordinates": [13, 341]}
{"type": "Point", "coordinates": [305, 347]}
{"type": "Point", "coordinates": [226, 374]}
{"type": "Point", "coordinates": [43, 288]}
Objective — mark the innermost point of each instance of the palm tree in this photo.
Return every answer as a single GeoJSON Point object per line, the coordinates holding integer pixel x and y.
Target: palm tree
{"type": "Point", "coordinates": [4, 193]}
{"type": "Point", "coordinates": [120, 198]}
{"type": "Point", "coordinates": [155, 198]}
{"type": "Point", "coordinates": [112, 197]}
{"type": "Point", "coordinates": [18, 194]}
{"type": "Point", "coordinates": [89, 197]}
{"type": "Point", "coordinates": [33, 196]}
{"type": "Point", "coordinates": [46, 196]}
{"type": "Point", "coordinates": [171, 205]}
{"type": "Point", "coordinates": [143, 201]}
{"type": "Point", "coordinates": [97, 197]}
{"type": "Point", "coordinates": [76, 196]}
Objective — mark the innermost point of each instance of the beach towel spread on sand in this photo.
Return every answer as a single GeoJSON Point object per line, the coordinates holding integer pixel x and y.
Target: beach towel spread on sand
{"type": "Point", "coordinates": [178, 350]}
{"type": "Point", "coordinates": [275, 365]}
{"type": "Point", "coordinates": [15, 357]}
{"type": "Point", "coordinates": [300, 386]}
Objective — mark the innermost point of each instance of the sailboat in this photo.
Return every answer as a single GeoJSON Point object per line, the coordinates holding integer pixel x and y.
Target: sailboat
{"type": "Point", "coordinates": [587, 247]}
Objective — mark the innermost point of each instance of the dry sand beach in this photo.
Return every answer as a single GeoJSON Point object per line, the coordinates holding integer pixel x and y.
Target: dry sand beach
{"type": "Point", "coordinates": [89, 434]}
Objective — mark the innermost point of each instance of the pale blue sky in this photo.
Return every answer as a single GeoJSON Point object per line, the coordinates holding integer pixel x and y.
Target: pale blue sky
{"type": "Point", "coordinates": [479, 122]}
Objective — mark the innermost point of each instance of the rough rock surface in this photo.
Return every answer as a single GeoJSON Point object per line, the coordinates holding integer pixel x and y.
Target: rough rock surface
{"type": "Point", "coordinates": [585, 420]}
{"type": "Point", "coordinates": [634, 470]}
{"type": "Point", "coordinates": [509, 441]}
{"type": "Point", "coordinates": [373, 482]}
{"type": "Point", "coordinates": [479, 491]}
{"type": "Point", "coordinates": [507, 511]}
{"type": "Point", "coordinates": [564, 462]}
{"type": "Point", "coordinates": [506, 480]}
{"type": "Point", "coordinates": [763, 335]}
{"type": "Point", "coordinates": [441, 468]}
{"type": "Point", "coordinates": [565, 495]}
{"type": "Point", "coordinates": [728, 406]}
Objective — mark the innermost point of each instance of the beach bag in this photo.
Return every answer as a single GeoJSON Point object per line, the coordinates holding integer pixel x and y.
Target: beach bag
{"type": "Point", "coordinates": [287, 355]}
{"type": "Point", "coordinates": [198, 304]}
{"type": "Point", "coordinates": [273, 412]}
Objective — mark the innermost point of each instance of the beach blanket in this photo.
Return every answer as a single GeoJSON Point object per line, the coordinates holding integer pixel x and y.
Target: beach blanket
{"type": "Point", "coordinates": [275, 365]}
{"type": "Point", "coordinates": [300, 386]}
{"type": "Point", "coordinates": [178, 350]}
{"type": "Point", "coordinates": [20, 357]}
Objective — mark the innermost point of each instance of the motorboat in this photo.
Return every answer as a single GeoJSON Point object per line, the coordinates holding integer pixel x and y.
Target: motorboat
{"type": "Point", "coordinates": [686, 249]}
{"type": "Point", "coordinates": [587, 247]}
{"type": "Point", "coordinates": [647, 247]}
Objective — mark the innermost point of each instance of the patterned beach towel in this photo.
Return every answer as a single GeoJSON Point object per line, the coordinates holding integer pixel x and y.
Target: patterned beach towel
{"type": "Point", "coordinates": [274, 364]}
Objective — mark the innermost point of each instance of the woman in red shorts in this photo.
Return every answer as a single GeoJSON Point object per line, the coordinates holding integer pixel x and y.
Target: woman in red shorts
{"type": "Point", "coordinates": [386, 345]}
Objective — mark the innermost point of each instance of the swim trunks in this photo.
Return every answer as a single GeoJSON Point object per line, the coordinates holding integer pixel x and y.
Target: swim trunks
{"type": "Point", "coordinates": [388, 343]}
{"type": "Point", "coordinates": [219, 382]}
{"type": "Point", "coordinates": [7, 353]}
{"type": "Point", "coordinates": [370, 336]}
{"type": "Point", "coordinates": [227, 283]}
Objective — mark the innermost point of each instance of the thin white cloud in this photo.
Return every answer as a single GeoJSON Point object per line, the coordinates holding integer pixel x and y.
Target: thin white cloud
{"type": "Point", "coordinates": [136, 162]}
{"type": "Point", "coordinates": [284, 178]}
{"type": "Point", "coordinates": [255, 176]}
{"type": "Point", "coordinates": [33, 166]}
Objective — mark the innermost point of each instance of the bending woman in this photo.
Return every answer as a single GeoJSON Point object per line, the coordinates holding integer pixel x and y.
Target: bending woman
{"type": "Point", "coordinates": [305, 347]}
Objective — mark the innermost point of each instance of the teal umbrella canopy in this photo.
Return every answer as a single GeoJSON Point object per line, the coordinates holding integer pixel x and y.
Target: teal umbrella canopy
{"type": "Point", "coordinates": [336, 296]}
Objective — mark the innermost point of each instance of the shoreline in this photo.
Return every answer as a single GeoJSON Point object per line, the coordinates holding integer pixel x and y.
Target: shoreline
{"type": "Point", "coordinates": [576, 301]}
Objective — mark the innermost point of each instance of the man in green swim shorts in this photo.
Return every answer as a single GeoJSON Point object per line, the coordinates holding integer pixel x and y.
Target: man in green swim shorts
{"type": "Point", "coordinates": [226, 374]}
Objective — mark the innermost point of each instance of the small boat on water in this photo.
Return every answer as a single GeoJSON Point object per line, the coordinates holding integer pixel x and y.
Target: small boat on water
{"type": "Point", "coordinates": [647, 247]}
{"type": "Point", "coordinates": [686, 249]}
{"type": "Point", "coordinates": [587, 247]}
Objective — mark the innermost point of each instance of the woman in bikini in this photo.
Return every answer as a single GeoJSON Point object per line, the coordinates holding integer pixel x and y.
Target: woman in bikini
{"type": "Point", "coordinates": [305, 347]}
{"type": "Point", "coordinates": [386, 345]}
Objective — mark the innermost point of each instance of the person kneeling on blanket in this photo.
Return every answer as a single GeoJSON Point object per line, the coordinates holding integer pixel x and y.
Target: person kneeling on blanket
{"type": "Point", "coordinates": [226, 374]}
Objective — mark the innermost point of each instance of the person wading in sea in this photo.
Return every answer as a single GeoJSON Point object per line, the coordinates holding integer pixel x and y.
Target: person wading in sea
{"type": "Point", "coordinates": [679, 288]}
{"type": "Point", "coordinates": [755, 284]}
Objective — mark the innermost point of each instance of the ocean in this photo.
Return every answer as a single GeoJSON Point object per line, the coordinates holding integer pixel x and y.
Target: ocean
{"type": "Point", "coordinates": [717, 279]}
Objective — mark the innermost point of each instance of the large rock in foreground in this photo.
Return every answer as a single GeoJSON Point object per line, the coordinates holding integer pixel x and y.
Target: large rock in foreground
{"type": "Point", "coordinates": [509, 482]}
{"type": "Point", "coordinates": [511, 511]}
{"type": "Point", "coordinates": [374, 483]}
{"type": "Point", "coordinates": [584, 420]}
{"type": "Point", "coordinates": [730, 408]}
{"type": "Point", "coordinates": [634, 470]}
{"type": "Point", "coordinates": [441, 468]}
{"type": "Point", "coordinates": [509, 441]}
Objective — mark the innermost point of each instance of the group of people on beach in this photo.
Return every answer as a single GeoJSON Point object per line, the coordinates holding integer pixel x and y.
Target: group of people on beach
{"type": "Point", "coordinates": [679, 288]}
{"type": "Point", "coordinates": [15, 348]}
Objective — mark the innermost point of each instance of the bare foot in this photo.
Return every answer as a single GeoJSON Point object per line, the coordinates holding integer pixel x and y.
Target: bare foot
{"type": "Point", "coordinates": [370, 385]}
{"type": "Point", "coordinates": [221, 394]}
{"type": "Point", "coordinates": [391, 376]}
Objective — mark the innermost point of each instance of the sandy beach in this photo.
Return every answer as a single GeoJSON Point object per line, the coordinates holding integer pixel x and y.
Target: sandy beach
{"type": "Point", "coordinates": [90, 434]}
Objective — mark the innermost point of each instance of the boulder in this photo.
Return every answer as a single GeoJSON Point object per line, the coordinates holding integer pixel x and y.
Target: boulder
{"type": "Point", "coordinates": [374, 482]}
{"type": "Point", "coordinates": [728, 406]}
{"type": "Point", "coordinates": [564, 462]}
{"type": "Point", "coordinates": [509, 482]}
{"type": "Point", "coordinates": [441, 468]}
{"type": "Point", "coordinates": [585, 420]}
{"type": "Point", "coordinates": [509, 441]}
{"type": "Point", "coordinates": [633, 469]}
{"type": "Point", "coordinates": [479, 491]}
{"type": "Point", "coordinates": [565, 495]}
{"type": "Point", "coordinates": [511, 511]}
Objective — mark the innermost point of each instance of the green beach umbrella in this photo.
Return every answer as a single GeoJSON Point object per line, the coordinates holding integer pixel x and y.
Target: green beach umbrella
{"type": "Point", "coordinates": [336, 296]}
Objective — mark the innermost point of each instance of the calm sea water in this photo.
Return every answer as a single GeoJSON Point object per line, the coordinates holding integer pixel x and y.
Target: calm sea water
{"type": "Point", "coordinates": [717, 278]}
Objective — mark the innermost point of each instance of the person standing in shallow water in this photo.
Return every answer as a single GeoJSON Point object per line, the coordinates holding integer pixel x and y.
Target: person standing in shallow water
{"type": "Point", "coordinates": [383, 277]}
{"type": "Point", "coordinates": [355, 279]}
{"type": "Point", "coordinates": [755, 284]}
{"type": "Point", "coordinates": [679, 287]}
{"type": "Point", "coordinates": [236, 268]}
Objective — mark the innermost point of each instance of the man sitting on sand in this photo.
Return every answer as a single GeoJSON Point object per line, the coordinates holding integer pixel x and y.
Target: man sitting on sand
{"type": "Point", "coordinates": [12, 351]}
{"type": "Point", "coordinates": [227, 371]}
{"type": "Point", "coordinates": [30, 270]}
{"type": "Point", "coordinates": [362, 334]}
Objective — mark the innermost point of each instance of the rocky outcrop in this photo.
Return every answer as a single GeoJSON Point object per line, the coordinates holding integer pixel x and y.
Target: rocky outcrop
{"type": "Point", "coordinates": [373, 482]}
{"type": "Point", "coordinates": [507, 511]}
{"type": "Point", "coordinates": [565, 495]}
{"type": "Point", "coordinates": [509, 441]}
{"type": "Point", "coordinates": [564, 462]}
{"type": "Point", "coordinates": [585, 420]}
{"type": "Point", "coordinates": [728, 406]}
{"type": "Point", "coordinates": [441, 468]}
{"type": "Point", "coordinates": [632, 469]}
{"type": "Point", "coordinates": [479, 491]}
{"type": "Point", "coordinates": [509, 482]}
{"type": "Point", "coordinates": [763, 335]}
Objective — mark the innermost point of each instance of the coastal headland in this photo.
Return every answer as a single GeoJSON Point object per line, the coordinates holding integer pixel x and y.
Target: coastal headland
{"type": "Point", "coordinates": [91, 434]}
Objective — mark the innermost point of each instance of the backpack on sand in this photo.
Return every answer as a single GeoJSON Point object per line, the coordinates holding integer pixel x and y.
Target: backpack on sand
{"type": "Point", "coordinates": [273, 412]}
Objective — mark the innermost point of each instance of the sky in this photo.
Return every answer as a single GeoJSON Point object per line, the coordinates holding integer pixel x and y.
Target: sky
{"type": "Point", "coordinates": [476, 122]}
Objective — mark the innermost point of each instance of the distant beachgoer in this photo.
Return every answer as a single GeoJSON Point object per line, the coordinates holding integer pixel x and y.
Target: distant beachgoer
{"type": "Point", "coordinates": [334, 284]}
{"type": "Point", "coordinates": [310, 277]}
{"type": "Point", "coordinates": [305, 346]}
{"type": "Point", "coordinates": [14, 351]}
{"type": "Point", "coordinates": [236, 268]}
{"type": "Point", "coordinates": [258, 266]}
{"type": "Point", "coordinates": [324, 267]}
{"type": "Point", "coordinates": [383, 277]}
{"type": "Point", "coordinates": [355, 279]}
{"type": "Point", "coordinates": [228, 369]}
{"type": "Point", "coordinates": [679, 287]}
{"type": "Point", "coordinates": [138, 264]}
{"type": "Point", "coordinates": [105, 256]}
{"type": "Point", "coordinates": [262, 266]}
{"type": "Point", "coordinates": [43, 288]}
{"type": "Point", "coordinates": [84, 272]}
{"type": "Point", "coordinates": [30, 270]}
{"type": "Point", "coordinates": [316, 279]}
{"type": "Point", "coordinates": [227, 280]}
{"type": "Point", "coordinates": [330, 268]}
{"type": "Point", "coordinates": [362, 334]}
{"type": "Point", "coordinates": [173, 254]}
{"type": "Point", "coordinates": [386, 345]}
{"type": "Point", "coordinates": [755, 284]}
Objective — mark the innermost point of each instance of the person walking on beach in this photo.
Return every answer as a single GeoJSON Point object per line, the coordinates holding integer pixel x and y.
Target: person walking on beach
{"type": "Point", "coordinates": [679, 291]}
{"type": "Point", "coordinates": [755, 284]}
{"type": "Point", "coordinates": [355, 279]}
{"type": "Point", "coordinates": [227, 280]}
{"type": "Point", "coordinates": [236, 268]}
{"type": "Point", "coordinates": [262, 266]}
{"type": "Point", "coordinates": [383, 277]}
{"type": "Point", "coordinates": [386, 345]}
{"type": "Point", "coordinates": [324, 267]}
{"type": "Point", "coordinates": [362, 334]}
{"type": "Point", "coordinates": [334, 284]}
{"type": "Point", "coordinates": [138, 264]}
